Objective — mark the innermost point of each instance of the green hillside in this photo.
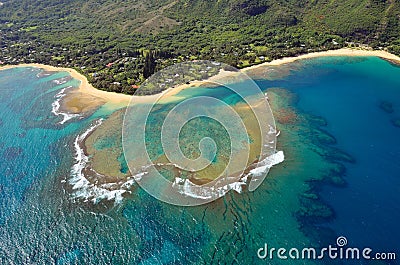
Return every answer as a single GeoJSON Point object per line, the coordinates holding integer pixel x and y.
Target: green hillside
{"type": "Point", "coordinates": [118, 44]}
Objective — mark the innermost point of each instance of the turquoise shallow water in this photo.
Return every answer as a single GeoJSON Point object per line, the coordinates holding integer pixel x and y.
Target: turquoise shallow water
{"type": "Point", "coordinates": [29, 133]}
{"type": "Point", "coordinates": [342, 131]}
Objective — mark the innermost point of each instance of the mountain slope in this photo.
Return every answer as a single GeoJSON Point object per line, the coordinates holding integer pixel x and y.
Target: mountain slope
{"type": "Point", "coordinates": [115, 43]}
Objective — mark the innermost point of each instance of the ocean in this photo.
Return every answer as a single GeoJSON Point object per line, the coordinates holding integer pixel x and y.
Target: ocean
{"type": "Point", "coordinates": [339, 123]}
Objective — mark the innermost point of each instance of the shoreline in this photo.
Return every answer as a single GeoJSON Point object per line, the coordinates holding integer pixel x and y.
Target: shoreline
{"type": "Point", "coordinates": [86, 88]}
{"type": "Point", "coordinates": [330, 53]}
{"type": "Point", "coordinates": [171, 92]}
{"type": "Point", "coordinates": [223, 74]}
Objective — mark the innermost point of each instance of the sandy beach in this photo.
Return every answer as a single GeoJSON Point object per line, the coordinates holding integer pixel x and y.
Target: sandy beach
{"type": "Point", "coordinates": [341, 52]}
{"type": "Point", "coordinates": [169, 95]}
{"type": "Point", "coordinates": [87, 95]}
{"type": "Point", "coordinates": [228, 76]}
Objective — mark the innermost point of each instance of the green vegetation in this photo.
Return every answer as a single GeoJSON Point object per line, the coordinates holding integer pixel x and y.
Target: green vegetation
{"type": "Point", "coordinates": [118, 44]}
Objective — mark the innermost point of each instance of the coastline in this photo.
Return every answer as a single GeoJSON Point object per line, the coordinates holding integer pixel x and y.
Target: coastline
{"type": "Point", "coordinates": [331, 53]}
{"type": "Point", "coordinates": [224, 75]}
{"type": "Point", "coordinates": [171, 92]}
{"type": "Point", "coordinates": [87, 89]}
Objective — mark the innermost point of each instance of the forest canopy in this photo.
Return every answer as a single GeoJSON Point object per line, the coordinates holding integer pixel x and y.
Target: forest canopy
{"type": "Point", "coordinates": [118, 44]}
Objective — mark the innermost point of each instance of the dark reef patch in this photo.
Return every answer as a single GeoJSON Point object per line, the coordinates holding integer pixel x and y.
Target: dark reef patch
{"type": "Point", "coordinates": [396, 122]}
{"type": "Point", "coordinates": [313, 210]}
{"type": "Point", "coordinates": [316, 121]}
{"type": "Point", "coordinates": [323, 137]}
{"type": "Point", "coordinates": [335, 176]}
{"type": "Point", "coordinates": [335, 154]}
{"type": "Point", "coordinates": [386, 106]}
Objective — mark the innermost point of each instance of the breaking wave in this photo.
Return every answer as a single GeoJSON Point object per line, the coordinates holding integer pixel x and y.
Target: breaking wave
{"type": "Point", "coordinates": [86, 190]}
{"type": "Point", "coordinates": [56, 107]}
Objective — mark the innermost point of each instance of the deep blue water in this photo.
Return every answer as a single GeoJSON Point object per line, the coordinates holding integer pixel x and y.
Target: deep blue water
{"type": "Point", "coordinates": [347, 93]}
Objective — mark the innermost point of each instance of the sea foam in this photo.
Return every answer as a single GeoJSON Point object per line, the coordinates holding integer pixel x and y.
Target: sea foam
{"type": "Point", "coordinates": [56, 107]}
{"type": "Point", "coordinates": [188, 188]}
{"type": "Point", "coordinates": [83, 188]}
{"type": "Point", "coordinates": [88, 191]}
